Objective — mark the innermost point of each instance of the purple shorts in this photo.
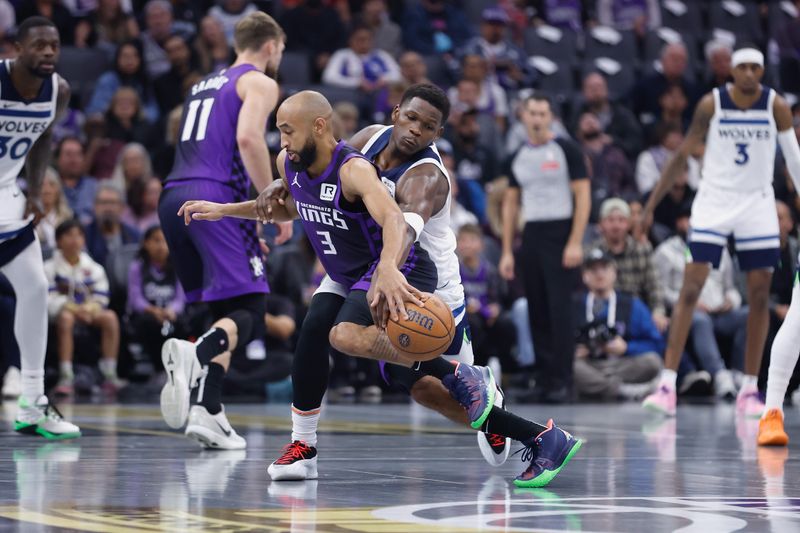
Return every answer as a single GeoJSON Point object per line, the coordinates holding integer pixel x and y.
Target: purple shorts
{"type": "Point", "coordinates": [213, 260]}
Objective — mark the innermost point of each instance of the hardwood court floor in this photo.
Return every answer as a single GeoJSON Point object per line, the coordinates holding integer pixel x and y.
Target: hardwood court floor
{"type": "Point", "coordinates": [397, 469]}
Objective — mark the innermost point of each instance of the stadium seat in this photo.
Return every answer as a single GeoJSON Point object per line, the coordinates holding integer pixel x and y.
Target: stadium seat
{"type": "Point", "coordinates": [295, 68]}
{"type": "Point", "coordinates": [474, 8]}
{"type": "Point", "coordinates": [557, 44]}
{"type": "Point", "coordinates": [739, 17]}
{"type": "Point", "coordinates": [81, 67]}
{"type": "Point", "coordinates": [780, 12]}
{"type": "Point", "coordinates": [551, 77]}
{"type": "Point", "coordinates": [117, 265]}
{"type": "Point", "coordinates": [603, 41]}
{"type": "Point", "coordinates": [654, 41]}
{"type": "Point", "coordinates": [683, 16]}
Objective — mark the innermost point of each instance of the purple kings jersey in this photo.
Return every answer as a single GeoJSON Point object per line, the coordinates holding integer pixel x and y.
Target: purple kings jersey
{"type": "Point", "coordinates": [345, 238]}
{"type": "Point", "coordinates": [207, 146]}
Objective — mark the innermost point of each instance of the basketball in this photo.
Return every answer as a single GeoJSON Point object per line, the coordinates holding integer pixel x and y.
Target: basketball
{"type": "Point", "coordinates": [426, 334]}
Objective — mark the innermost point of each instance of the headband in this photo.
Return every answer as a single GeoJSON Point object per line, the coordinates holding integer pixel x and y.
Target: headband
{"type": "Point", "coordinates": [747, 55]}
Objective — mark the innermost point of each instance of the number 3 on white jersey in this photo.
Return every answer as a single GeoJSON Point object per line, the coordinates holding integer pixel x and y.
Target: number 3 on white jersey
{"type": "Point", "coordinates": [325, 240]}
{"type": "Point", "coordinates": [742, 156]}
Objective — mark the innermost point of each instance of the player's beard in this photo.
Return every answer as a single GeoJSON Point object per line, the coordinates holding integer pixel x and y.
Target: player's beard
{"type": "Point", "coordinates": [306, 156]}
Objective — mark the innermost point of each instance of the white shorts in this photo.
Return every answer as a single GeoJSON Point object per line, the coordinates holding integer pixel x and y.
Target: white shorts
{"type": "Point", "coordinates": [750, 217]}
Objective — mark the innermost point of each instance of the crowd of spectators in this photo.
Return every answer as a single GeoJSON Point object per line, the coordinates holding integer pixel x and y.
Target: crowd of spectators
{"type": "Point", "coordinates": [622, 78]}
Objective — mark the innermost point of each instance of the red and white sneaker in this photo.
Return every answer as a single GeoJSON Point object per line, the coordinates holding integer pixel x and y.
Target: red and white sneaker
{"type": "Point", "coordinates": [495, 448]}
{"type": "Point", "coordinates": [297, 462]}
{"type": "Point", "coordinates": [663, 401]}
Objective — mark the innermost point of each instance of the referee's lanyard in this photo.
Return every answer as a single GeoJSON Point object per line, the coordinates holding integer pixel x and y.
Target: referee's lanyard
{"type": "Point", "coordinates": [611, 319]}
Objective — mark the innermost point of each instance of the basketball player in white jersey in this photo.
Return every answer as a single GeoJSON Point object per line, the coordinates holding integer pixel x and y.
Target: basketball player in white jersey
{"type": "Point", "coordinates": [32, 97]}
{"type": "Point", "coordinates": [740, 124]}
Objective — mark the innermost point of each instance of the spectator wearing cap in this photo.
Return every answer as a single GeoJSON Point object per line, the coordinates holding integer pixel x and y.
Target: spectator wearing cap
{"type": "Point", "coordinates": [548, 179]}
{"type": "Point", "coordinates": [617, 345]}
{"type": "Point", "coordinates": [617, 121]}
{"type": "Point", "coordinates": [507, 63]}
{"type": "Point", "coordinates": [435, 27]}
{"type": "Point", "coordinates": [636, 273]}
{"type": "Point", "coordinates": [719, 313]}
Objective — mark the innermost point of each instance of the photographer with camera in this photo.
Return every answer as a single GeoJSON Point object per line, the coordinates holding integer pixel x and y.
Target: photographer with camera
{"type": "Point", "coordinates": [617, 344]}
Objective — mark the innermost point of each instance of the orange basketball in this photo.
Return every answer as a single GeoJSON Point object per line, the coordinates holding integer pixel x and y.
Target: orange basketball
{"type": "Point", "coordinates": [426, 334]}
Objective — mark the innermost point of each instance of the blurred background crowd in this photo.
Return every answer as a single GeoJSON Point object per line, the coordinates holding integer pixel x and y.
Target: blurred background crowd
{"type": "Point", "coordinates": [623, 77]}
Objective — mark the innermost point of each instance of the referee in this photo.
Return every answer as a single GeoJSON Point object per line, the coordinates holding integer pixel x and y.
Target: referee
{"type": "Point", "coordinates": [548, 178]}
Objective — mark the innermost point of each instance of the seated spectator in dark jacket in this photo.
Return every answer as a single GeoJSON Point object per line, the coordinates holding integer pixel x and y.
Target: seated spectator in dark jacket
{"type": "Point", "coordinates": [79, 189]}
{"type": "Point", "coordinates": [617, 346]}
{"type": "Point", "coordinates": [646, 94]}
{"type": "Point", "coordinates": [169, 86]}
{"type": "Point", "coordinates": [611, 172]}
{"type": "Point", "coordinates": [155, 297]}
{"type": "Point", "coordinates": [493, 332]}
{"type": "Point", "coordinates": [616, 120]}
{"type": "Point", "coordinates": [475, 164]}
{"type": "Point", "coordinates": [435, 27]}
{"type": "Point", "coordinates": [107, 233]}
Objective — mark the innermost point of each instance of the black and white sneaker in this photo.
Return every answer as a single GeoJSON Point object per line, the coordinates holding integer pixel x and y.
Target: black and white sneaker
{"type": "Point", "coordinates": [297, 462]}
{"type": "Point", "coordinates": [495, 448]}
{"type": "Point", "coordinates": [183, 371]}
{"type": "Point", "coordinates": [213, 432]}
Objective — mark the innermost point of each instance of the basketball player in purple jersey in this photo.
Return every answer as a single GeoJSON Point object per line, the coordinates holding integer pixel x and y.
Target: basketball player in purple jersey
{"type": "Point", "coordinates": [331, 218]}
{"type": "Point", "coordinates": [220, 153]}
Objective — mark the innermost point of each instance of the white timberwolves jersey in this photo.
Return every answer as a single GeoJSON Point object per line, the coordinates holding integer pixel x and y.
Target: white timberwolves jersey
{"type": "Point", "coordinates": [740, 145]}
{"type": "Point", "coordinates": [22, 122]}
{"type": "Point", "coordinates": [436, 238]}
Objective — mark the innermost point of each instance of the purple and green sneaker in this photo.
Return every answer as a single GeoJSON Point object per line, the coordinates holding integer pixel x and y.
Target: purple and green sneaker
{"type": "Point", "coordinates": [548, 452]}
{"type": "Point", "coordinates": [474, 388]}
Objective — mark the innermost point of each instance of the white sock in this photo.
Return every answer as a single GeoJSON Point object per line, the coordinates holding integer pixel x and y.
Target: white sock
{"type": "Point", "coordinates": [783, 358]}
{"type": "Point", "coordinates": [749, 383]}
{"type": "Point", "coordinates": [108, 367]}
{"type": "Point", "coordinates": [304, 425]}
{"type": "Point", "coordinates": [65, 369]}
{"type": "Point", "coordinates": [32, 384]}
{"type": "Point", "coordinates": [668, 378]}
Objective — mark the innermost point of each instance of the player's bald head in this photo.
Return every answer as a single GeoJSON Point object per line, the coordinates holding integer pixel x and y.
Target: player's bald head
{"type": "Point", "coordinates": [302, 110]}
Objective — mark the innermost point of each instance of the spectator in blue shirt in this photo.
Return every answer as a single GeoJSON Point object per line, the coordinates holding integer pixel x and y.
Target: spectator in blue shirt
{"type": "Point", "coordinates": [435, 27]}
{"type": "Point", "coordinates": [617, 345]}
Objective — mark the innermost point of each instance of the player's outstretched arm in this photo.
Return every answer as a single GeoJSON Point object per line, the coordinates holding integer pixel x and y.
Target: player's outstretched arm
{"type": "Point", "coordinates": [39, 154]}
{"type": "Point", "coordinates": [421, 193]}
{"type": "Point", "coordinates": [695, 138]}
{"type": "Point", "coordinates": [259, 95]}
{"type": "Point", "coordinates": [787, 139]}
{"type": "Point", "coordinates": [360, 180]}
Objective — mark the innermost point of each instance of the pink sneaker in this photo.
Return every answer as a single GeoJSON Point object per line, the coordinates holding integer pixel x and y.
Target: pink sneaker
{"type": "Point", "coordinates": [663, 401]}
{"type": "Point", "coordinates": [749, 403]}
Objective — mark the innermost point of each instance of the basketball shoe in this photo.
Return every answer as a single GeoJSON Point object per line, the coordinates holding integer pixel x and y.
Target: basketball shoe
{"type": "Point", "coordinates": [770, 429]}
{"type": "Point", "coordinates": [213, 431]}
{"type": "Point", "coordinates": [663, 401]}
{"type": "Point", "coordinates": [495, 448]}
{"type": "Point", "coordinates": [297, 462]}
{"type": "Point", "coordinates": [749, 402]}
{"type": "Point", "coordinates": [475, 389]}
{"type": "Point", "coordinates": [41, 418]}
{"type": "Point", "coordinates": [548, 452]}
{"type": "Point", "coordinates": [183, 370]}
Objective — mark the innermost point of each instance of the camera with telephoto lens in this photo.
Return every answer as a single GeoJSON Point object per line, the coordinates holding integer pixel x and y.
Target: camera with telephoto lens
{"type": "Point", "coordinates": [595, 335]}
